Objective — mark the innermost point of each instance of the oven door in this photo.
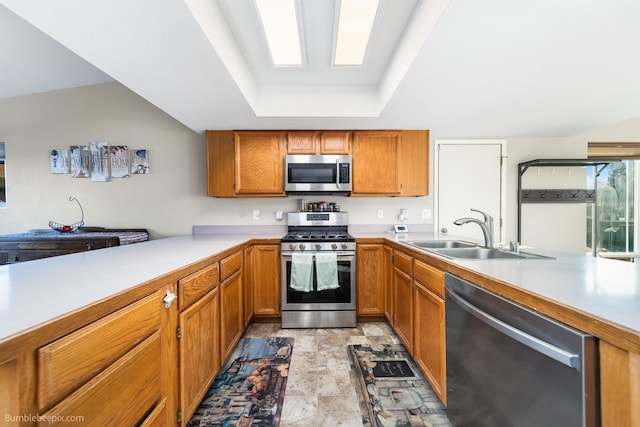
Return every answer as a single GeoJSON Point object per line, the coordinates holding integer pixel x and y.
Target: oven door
{"type": "Point", "coordinates": [341, 298]}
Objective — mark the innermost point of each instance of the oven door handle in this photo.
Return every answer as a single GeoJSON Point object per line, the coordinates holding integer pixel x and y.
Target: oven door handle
{"type": "Point", "coordinates": [342, 256]}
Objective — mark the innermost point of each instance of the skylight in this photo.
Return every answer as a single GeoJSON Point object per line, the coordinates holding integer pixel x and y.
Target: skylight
{"type": "Point", "coordinates": [280, 24]}
{"type": "Point", "coordinates": [355, 22]}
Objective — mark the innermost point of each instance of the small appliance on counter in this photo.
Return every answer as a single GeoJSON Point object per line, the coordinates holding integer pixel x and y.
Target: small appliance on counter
{"type": "Point", "coordinates": [318, 271]}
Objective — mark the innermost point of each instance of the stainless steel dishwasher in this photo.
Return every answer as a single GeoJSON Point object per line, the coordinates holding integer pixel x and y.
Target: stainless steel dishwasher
{"type": "Point", "coordinates": [509, 366]}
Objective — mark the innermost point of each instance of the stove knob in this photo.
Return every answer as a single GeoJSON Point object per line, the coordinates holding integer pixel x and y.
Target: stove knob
{"type": "Point", "coordinates": [318, 246]}
{"type": "Point", "coordinates": [334, 246]}
{"type": "Point", "coordinates": [344, 246]}
{"type": "Point", "coordinates": [292, 246]}
{"type": "Point", "coordinates": [302, 246]}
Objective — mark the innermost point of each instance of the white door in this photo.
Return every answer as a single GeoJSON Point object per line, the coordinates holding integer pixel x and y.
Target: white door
{"type": "Point", "coordinates": [468, 176]}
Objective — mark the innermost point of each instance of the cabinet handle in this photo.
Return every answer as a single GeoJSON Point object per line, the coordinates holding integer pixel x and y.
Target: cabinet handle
{"type": "Point", "coordinates": [168, 299]}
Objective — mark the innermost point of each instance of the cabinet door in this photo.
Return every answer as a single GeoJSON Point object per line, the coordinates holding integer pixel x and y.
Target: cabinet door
{"type": "Point", "coordinates": [387, 262]}
{"type": "Point", "coordinates": [220, 163]}
{"type": "Point", "coordinates": [370, 279]}
{"type": "Point", "coordinates": [619, 386]}
{"type": "Point", "coordinates": [429, 339]}
{"type": "Point", "coordinates": [414, 163]}
{"type": "Point", "coordinates": [403, 307]}
{"type": "Point", "coordinates": [259, 163]}
{"type": "Point", "coordinates": [231, 313]}
{"type": "Point", "coordinates": [335, 142]}
{"type": "Point", "coordinates": [124, 381]}
{"type": "Point", "coordinates": [200, 357]}
{"type": "Point", "coordinates": [247, 285]}
{"type": "Point", "coordinates": [266, 273]}
{"type": "Point", "coordinates": [375, 163]}
{"type": "Point", "coordinates": [302, 142]}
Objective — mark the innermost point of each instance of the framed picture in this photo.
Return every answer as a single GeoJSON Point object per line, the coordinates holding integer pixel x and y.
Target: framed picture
{"type": "Point", "coordinates": [59, 160]}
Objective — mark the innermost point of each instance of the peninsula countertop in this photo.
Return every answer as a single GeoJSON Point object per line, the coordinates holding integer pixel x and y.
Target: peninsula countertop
{"type": "Point", "coordinates": [35, 292]}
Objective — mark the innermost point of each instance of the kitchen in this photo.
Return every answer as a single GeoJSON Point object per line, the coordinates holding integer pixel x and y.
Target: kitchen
{"type": "Point", "coordinates": [175, 191]}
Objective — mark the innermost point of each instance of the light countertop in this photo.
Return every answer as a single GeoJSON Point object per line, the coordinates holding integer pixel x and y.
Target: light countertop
{"type": "Point", "coordinates": [34, 292]}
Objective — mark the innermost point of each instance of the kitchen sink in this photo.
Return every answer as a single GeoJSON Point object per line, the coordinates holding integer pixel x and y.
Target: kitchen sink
{"type": "Point", "coordinates": [437, 244]}
{"type": "Point", "coordinates": [484, 253]}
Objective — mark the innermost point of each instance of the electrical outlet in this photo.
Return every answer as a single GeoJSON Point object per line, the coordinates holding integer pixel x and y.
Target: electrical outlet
{"type": "Point", "coordinates": [256, 214]}
{"type": "Point", "coordinates": [380, 214]}
{"type": "Point", "coordinates": [426, 213]}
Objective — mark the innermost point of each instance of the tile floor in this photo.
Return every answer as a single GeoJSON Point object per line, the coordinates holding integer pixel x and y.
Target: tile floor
{"type": "Point", "coordinates": [327, 397]}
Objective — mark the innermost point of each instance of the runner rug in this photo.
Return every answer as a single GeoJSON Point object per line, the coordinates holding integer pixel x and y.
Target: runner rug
{"type": "Point", "coordinates": [391, 389]}
{"type": "Point", "coordinates": [249, 390]}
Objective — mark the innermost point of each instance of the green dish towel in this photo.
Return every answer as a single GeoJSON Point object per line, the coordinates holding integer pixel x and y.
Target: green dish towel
{"type": "Point", "coordinates": [301, 272]}
{"type": "Point", "coordinates": [327, 271]}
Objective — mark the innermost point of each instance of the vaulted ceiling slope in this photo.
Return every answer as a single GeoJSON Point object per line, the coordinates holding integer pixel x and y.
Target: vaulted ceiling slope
{"type": "Point", "coordinates": [462, 68]}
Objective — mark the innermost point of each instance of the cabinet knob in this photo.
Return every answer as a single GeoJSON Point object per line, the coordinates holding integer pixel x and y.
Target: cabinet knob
{"type": "Point", "coordinates": [89, 246]}
{"type": "Point", "coordinates": [168, 299]}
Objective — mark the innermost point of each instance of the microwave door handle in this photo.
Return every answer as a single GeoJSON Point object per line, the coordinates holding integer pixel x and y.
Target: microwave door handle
{"type": "Point", "coordinates": [338, 174]}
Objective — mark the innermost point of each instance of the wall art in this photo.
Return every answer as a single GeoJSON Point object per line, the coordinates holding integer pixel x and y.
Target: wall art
{"type": "Point", "coordinates": [80, 161]}
{"type": "Point", "coordinates": [59, 160]}
{"type": "Point", "coordinates": [119, 156]}
{"type": "Point", "coordinates": [99, 161]}
{"type": "Point", "coordinates": [140, 162]}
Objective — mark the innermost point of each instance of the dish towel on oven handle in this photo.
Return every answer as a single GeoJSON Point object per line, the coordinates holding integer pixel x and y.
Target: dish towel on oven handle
{"type": "Point", "coordinates": [327, 271]}
{"type": "Point", "coordinates": [301, 272]}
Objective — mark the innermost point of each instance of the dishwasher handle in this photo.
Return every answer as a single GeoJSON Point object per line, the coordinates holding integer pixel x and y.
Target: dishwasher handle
{"type": "Point", "coordinates": [566, 358]}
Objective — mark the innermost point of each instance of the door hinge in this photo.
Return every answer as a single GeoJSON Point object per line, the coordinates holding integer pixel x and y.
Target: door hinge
{"type": "Point", "coordinates": [179, 416]}
{"type": "Point", "coordinates": [178, 332]}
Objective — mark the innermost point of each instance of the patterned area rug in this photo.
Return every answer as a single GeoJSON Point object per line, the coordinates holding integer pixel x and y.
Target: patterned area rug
{"type": "Point", "coordinates": [249, 390]}
{"type": "Point", "coordinates": [391, 389]}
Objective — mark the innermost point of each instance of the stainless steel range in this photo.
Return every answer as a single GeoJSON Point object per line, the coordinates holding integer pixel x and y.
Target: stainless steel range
{"type": "Point", "coordinates": [318, 271]}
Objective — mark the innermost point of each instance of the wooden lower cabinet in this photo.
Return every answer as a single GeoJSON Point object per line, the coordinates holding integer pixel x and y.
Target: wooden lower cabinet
{"type": "Point", "coordinates": [247, 285]}
{"type": "Point", "coordinates": [231, 313]}
{"type": "Point", "coordinates": [200, 357]}
{"type": "Point", "coordinates": [370, 279]}
{"type": "Point", "coordinates": [619, 386]}
{"type": "Point", "coordinates": [387, 266]}
{"type": "Point", "coordinates": [124, 383]}
{"type": "Point", "coordinates": [266, 280]}
{"type": "Point", "coordinates": [429, 346]}
{"type": "Point", "coordinates": [403, 299]}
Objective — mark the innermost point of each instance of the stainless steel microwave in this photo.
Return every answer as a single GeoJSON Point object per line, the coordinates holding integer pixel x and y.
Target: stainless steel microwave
{"type": "Point", "coordinates": [315, 174]}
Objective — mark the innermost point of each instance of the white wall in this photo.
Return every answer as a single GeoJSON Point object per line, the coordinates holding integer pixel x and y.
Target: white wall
{"type": "Point", "coordinates": [167, 202]}
{"type": "Point", "coordinates": [543, 225]}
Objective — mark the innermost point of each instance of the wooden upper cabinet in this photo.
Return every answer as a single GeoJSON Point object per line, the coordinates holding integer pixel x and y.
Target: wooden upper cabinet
{"type": "Point", "coordinates": [414, 163]}
{"type": "Point", "coordinates": [391, 163]}
{"type": "Point", "coordinates": [319, 142]}
{"type": "Point", "coordinates": [251, 163]}
{"type": "Point", "coordinates": [245, 163]}
{"type": "Point", "coordinates": [375, 163]}
{"type": "Point", "coordinates": [259, 163]}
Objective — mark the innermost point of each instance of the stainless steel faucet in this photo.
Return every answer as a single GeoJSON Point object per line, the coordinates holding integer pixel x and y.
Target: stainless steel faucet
{"type": "Point", "coordinates": [486, 226]}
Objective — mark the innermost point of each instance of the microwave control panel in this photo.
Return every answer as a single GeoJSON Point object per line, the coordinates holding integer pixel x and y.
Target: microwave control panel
{"type": "Point", "coordinates": [344, 173]}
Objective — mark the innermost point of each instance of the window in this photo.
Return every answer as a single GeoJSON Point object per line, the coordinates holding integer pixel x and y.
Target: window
{"type": "Point", "coordinates": [618, 197]}
{"type": "Point", "coordinates": [3, 186]}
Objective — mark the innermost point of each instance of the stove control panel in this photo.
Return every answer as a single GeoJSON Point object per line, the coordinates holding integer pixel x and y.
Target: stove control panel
{"type": "Point", "coordinates": [318, 246]}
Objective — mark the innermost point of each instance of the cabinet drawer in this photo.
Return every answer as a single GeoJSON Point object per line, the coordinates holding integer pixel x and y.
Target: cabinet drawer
{"type": "Point", "coordinates": [194, 286]}
{"type": "Point", "coordinates": [123, 394]}
{"type": "Point", "coordinates": [71, 361]}
{"type": "Point", "coordinates": [430, 277]}
{"type": "Point", "coordinates": [230, 265]}
{"type": "Point", "coordinates": [402, 262]}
